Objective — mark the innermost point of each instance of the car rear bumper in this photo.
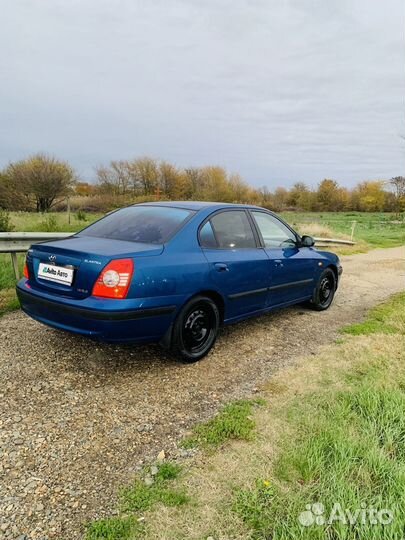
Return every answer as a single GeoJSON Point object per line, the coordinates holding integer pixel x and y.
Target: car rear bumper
{"type": "Point", "coordinates": [139, 322]}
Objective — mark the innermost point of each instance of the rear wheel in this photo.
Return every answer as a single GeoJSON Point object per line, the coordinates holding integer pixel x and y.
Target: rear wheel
{"type": "Point", "coordinates": [195, 329]}
{"type": "Point", "coordinates": [325, 290]}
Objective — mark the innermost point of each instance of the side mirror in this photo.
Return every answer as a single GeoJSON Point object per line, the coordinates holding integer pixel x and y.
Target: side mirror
{"type": "Point", "coordinates": [307, 241]}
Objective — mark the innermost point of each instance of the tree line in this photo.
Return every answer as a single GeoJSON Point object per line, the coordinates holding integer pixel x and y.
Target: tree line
{"type": "Point", "coordinates": [42, 183]}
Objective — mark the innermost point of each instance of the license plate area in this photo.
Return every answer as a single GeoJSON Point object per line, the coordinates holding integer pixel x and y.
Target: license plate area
{"type": "Point", "coordinates": [56, 274]}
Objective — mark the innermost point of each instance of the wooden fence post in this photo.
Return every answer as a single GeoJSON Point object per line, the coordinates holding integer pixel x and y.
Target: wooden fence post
{"type": "Point", "coordinates": [354, 223]}
{"type": "Point", "coordinates": [14, 260]}
{"type": "Point", "coordinates": [68, 209]}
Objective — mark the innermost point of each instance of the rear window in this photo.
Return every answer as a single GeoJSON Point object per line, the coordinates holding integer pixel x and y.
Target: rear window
{"type": "Point", "coordinates": [146, 224]}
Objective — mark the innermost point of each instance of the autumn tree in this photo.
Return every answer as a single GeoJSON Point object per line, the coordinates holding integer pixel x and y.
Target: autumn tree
{"type": "Point", "coordinates": [85, 189]}
{"type": "Point", "coordinates": [145, 174]}
{"type": "Point", "coordinates": [370, 196]}
{"type": "Point", "coordinates": [330, 196]}
{"type": "Point", "coordinates": [13, 196]}
{"type": "Point", "coordinates": [194, 177]}
{"type": "Point", "coordinates": [398, 185]}
{"type": "Point", "coordinates": [148, 178]}
{"type": "Point", "coordinates": [241, 191]}
{"type": "Point", "coordinates": [266, 198]}
{"type": "Point", "coordinates": [45, 179]}
{"type": "Point", "coordinates": [300, 197]}
{"type": "Point", "coordinates": [280, 198]}
{"type": "Point", "coordinates": [169, 179]}
{"type": "Point", "coordinates": [217, 185]}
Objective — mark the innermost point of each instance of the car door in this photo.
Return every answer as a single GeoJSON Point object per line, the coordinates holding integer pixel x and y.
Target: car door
{"type": "Point", "coordinates": [238, 265]}
{"type": "Point", "coordinates": [291, 269]}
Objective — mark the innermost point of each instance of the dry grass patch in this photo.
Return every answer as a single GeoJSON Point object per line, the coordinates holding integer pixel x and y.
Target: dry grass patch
{"type": "Point", "coordinates": [323, 231]}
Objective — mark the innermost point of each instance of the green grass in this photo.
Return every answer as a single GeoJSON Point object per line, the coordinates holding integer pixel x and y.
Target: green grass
{"type": "Point", "coordinates": [387, 318]}
{"type": "Point", "coordinates": [168, 471]}
{"type": "Point", "coordinates": [117, 528]}
{"type": "Point", "coordinates": [140, 497]}
{"type": "Point", "coordinates": [8, 301]}
{"type": "Point", "coordinates": [374, 228]}
{"type": "Point", "coordinates": [51, 221]}
{"type": "Point", "coordinates": [136, 499]}
{"type": "Point", "coordinates": [352, 453]}
{"type": "Point", "coordinates": [334, 433]}
{"type": "Point", "coordinates": [348, 448]}
{"type": "Point", "coordinates": [8, 298]}
{"type": "Point", "coordinates": [233, 422]}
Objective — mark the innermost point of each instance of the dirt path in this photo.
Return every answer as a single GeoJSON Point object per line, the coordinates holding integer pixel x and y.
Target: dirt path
{"type": "Point", "coordinates": [78, 418]}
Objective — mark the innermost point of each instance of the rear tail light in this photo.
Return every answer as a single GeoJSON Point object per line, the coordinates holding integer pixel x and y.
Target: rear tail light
{"type": "Point", "coordinates": [26, 271]}
{"type": "Point", "coordinates": [115, 279]}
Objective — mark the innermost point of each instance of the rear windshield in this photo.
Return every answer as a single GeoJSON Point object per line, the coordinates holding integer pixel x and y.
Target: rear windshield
{"type": "Point", "coordinates": [146, 224]}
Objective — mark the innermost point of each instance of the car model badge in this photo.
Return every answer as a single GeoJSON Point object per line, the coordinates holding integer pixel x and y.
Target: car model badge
{"type": "Point", "coordinates": [52, 258]}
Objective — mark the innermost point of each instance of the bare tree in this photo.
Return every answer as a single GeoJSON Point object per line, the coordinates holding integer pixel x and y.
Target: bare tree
{"type": "Point", "coordinates": [169, 178]}
{"type": "Point", "coordinates": [398, 184]}
{"type": "Point", "coordinates": [144, 173]}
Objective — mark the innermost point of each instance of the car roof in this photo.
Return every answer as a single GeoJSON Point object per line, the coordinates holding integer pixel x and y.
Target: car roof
{"type": "Point", "coordinates": [197, 205]}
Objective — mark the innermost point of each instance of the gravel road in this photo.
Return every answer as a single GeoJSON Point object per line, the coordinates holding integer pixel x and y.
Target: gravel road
{"type": "Point", "coordinates": [77, 419]}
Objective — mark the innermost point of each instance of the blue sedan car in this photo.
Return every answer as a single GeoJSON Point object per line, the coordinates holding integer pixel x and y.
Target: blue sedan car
{"type": "Point", "coordinates": [173, 273]}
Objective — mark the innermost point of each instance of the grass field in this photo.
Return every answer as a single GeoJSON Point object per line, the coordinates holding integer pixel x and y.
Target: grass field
{"type": "Point", "coordinates": [322, 457]}
{"type": "Point", "coordinates": [372, 230]}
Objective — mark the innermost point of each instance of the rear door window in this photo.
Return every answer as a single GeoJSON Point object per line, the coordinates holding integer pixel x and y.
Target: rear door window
{"type": "Point", "coordinates": [207, 237]}
{"type": "Point", "coordinates": [145, 224]}
{"type": "Point", "coordinates": [232, 230]}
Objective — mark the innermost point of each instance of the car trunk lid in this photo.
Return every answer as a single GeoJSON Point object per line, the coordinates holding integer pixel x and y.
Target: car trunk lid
{"type": "Point", "coordinates": [76, 262]}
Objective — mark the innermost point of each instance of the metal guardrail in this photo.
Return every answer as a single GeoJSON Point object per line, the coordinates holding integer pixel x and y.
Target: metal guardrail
{"type": "Point", "coordinates": [19, 242]}
{"type": "Point", "coordinates": [337, 241]}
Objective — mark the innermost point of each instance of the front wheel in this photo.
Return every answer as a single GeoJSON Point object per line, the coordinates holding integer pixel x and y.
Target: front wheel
{"type": "Point", "coordinates": [195, 329]}
{"type": "Point", "coordinates": [325, 291]}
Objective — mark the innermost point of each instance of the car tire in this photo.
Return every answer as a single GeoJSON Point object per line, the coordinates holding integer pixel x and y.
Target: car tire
{"type": "Point", "coordinates": [324, 291]}
{"type": "Point", "coordinates": [195, 330]}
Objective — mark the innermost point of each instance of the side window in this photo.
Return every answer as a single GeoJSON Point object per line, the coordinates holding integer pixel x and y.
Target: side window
{"type": "Point", "coordinates": [275, 234]}
{"type": "Point", "coordinates": [232, 230]}
{"type": "Point", "coordinates": [207, 237]}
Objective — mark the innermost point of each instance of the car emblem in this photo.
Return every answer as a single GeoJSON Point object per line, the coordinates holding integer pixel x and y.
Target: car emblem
{"type": "Point", "coordinates": [52, 258]}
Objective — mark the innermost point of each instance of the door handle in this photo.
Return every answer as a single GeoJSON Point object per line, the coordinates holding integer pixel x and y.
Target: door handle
{"type": "Point", "coordinates": [221, 267]}
{"type": "Point", "coordinates": [278, 263]}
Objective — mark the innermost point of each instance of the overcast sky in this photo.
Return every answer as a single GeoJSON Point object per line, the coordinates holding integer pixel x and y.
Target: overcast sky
{"type": "Point", "coordinates": [277, 90]}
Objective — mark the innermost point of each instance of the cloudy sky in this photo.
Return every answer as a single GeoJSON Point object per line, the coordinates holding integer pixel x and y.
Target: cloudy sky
{"type": "Point", "coordinates": [277, 90]}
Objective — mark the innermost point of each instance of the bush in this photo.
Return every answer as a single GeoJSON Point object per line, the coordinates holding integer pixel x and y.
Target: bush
{"type": "Point", "coordinates": [49, 225]}
{"type": "Point", "coordinates": [5, 223]}
{"type": "Point", "coordinates": [81, 216]}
